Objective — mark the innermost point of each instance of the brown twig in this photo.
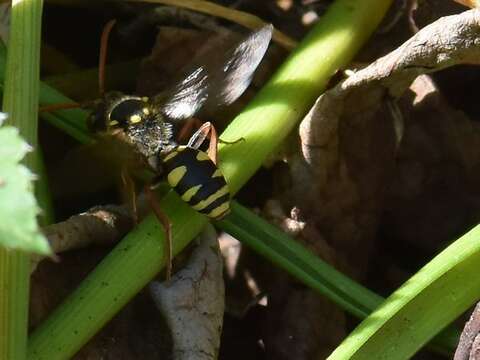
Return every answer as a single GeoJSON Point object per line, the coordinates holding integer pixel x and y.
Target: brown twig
{"type": "Point", "coordinates": [240, 17]}
{"type": "Point", "coordinates": [102, 225]}
{"type": "Point", "coordinates": [195, 295]}
{"type": "Point", "coordinates": [103, 55]}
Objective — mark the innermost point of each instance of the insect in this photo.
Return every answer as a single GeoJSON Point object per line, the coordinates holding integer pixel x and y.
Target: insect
{"type": "Point", "coordinates": [149, 125]}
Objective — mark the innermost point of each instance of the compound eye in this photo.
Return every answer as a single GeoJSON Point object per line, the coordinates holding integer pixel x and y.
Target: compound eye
{"type": "Point", "coordinates": [128, 112]}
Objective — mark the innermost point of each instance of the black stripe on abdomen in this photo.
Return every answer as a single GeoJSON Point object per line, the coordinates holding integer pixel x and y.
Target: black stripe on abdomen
{"type": "Point", "coordinates": [211, 191]}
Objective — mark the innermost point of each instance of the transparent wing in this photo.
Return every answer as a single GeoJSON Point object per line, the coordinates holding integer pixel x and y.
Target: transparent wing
{"type": "Point", "coordinates": [216, 79]}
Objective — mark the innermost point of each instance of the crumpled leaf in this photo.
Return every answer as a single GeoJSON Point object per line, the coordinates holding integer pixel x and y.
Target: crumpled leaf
{"type": "Point", "coordinates": [193, 302]}
{"type": "Point", "coordinates": [18, 207]}
{"type": "Point", "coordinates": [351, 136]}
{"type": "Point", "coordinates": [469, 3]}
{"type": "Point", "coordinates": [100, 225]}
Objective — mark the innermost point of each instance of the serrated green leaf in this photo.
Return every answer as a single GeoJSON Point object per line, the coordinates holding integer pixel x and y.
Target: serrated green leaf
{"type": "Point", "coordinates": [18, 207]}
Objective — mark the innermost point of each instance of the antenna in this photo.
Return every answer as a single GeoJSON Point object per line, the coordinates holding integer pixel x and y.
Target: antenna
{"type": "Point", "coordinates": [107, 29]}
{"type": "Point", "coordinates": [101, 72]}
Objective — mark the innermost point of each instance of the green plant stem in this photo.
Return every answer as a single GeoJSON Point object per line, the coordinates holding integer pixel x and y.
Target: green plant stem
{"type": "Point", "coordinates": [263, 124]}
{"type": "Point", "coordinates": [14, 287]}
{"type": "Point", "coordinates": [71, 121]}
{"type": "Point", "coordinates": [283, 251]}
{"type": "Point", "coordinates": [432, 298]}
{"type": "Point", "coordinates": [42, 192]}
{"type": "Point", "coordinates": [20, 102]}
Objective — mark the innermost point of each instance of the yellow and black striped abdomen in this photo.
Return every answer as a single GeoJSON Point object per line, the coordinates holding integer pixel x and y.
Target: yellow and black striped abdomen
{"type": "Point", "coordinates": [198, 181]}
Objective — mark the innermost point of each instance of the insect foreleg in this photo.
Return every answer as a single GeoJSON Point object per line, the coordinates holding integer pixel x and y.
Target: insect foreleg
{"type": "Point", "coordinates": [199, 137]}
{"type": "Point", "coordinates": [167, 225]}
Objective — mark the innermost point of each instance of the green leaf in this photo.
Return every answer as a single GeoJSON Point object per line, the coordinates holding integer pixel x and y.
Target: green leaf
{"type": "Point", "coordinates": [18, 207]}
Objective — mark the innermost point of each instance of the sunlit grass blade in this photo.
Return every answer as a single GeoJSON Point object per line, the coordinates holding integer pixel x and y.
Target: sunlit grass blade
{"type": "Point", "coordinates": [431, 299]}
{"type": "Point", "coordinates": [20, 101]}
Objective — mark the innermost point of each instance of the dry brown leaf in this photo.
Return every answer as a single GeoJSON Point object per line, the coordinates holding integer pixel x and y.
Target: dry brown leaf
{"type": "Point", "coordinates": [100, 225]}
{"type": "Point", "coordinates": [193, 302]}
{"type": "Point", "coordinates": [469, 343]}
{"type": "Point", "coordinates": [469, 3]}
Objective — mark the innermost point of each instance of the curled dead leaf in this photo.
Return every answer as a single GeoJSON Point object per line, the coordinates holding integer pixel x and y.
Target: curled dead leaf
{"type": "Point", "coordinates": [469, 343]}
{"type": "Point", "coordinates": [350, 138]}
{"type": "Point", "coordinates": [193, 302]}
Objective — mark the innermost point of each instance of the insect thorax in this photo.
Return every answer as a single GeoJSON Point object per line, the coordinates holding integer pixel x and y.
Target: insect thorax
{"type": "Point", "coordinates": [137, 118]}
{"type": "Point", "coordinates": [151, 136]}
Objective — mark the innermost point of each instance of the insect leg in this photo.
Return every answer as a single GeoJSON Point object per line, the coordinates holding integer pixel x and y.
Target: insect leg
{"type": "Point", "coordinates": [202, 133]}
{"type": "Point", "coordinates": [213, 146]}
{"type": "Point", "coordinates": [199, 137]}
{"type": "Point", "coordinates": [129, 193]}
{"type": "Point", "coordinates": [163, 218]}
{"type": "Point", "coordinates": [186, 130]}
{"type": "Point", "coordinates": [220, 141]}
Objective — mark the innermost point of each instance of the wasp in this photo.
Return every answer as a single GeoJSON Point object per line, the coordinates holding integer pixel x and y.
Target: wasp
{"type": "Point", "coordinates": [148, 125]}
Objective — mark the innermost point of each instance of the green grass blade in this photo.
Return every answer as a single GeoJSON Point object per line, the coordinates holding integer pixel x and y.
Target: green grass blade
{"type": "Point", "coordinates": [279, 106]}
{"type": "Point", "coordinates": [263, 124]}
{"type": "Point", "coordinates": [20, 101]}
{"type": "Point", "coordinates": [42, 190]}
{"type": "Point", "coordinates": [70, 121]}
{"type": "Point", "coordinates": [288, 254]}
{"type": "Point", "coordinates": [441, 291]}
